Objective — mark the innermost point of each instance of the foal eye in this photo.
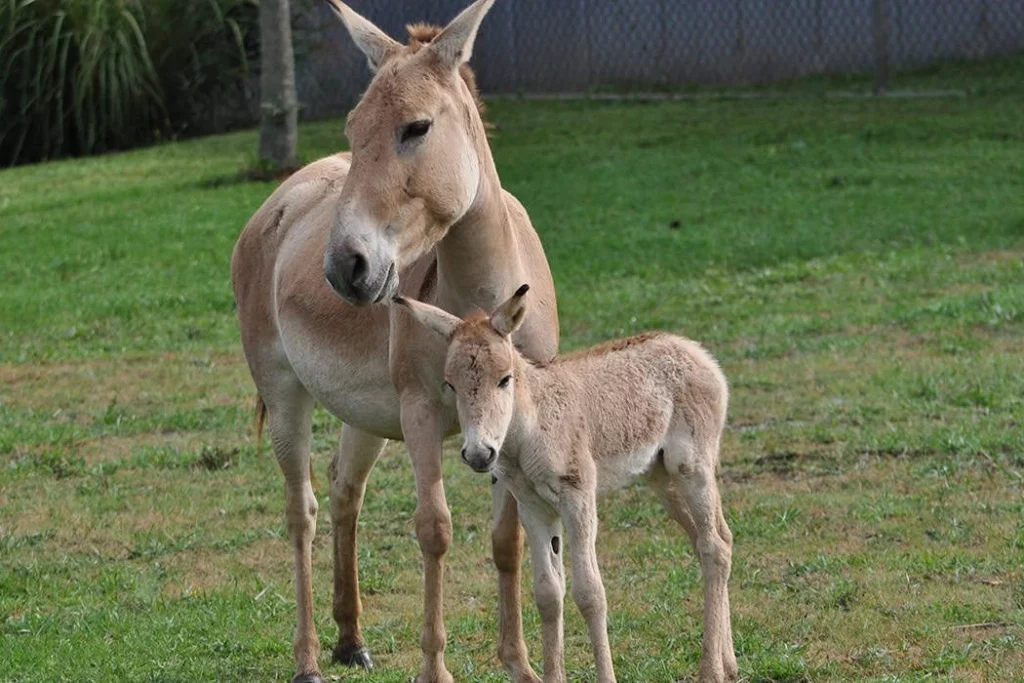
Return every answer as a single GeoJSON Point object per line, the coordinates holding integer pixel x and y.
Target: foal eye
{"type": "Point", "coordinates": [504, 381]}
{"type": "Point", "coordinates": [416, 129]}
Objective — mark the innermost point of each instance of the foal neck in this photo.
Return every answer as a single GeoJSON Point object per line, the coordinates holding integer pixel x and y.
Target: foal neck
{"type": "Point", "coordinates": [525, 419]}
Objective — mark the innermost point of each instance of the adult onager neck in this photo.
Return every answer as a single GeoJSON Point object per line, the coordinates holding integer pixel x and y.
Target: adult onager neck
{"type": "Point", "coordinates": [416, 208]}
{"type": "Point", "coordinates": [652, 406]}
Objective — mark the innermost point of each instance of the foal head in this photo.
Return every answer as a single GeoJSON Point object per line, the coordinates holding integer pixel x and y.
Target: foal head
{"type": "Point", "coordinates": [415, 168]}
{"type": "Point", "coordinates": [479, 370]}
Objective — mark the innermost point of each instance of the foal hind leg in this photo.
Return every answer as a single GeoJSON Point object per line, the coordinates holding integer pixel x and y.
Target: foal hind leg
{"type": "Point", "coordinates": [728, 649]}
{"type": "Point", "coordinates": [348, 472]}
{"type": "Point", "coordinates": [289, 412]}
{"type": "Point", "coordinates": [692, 499]}
{"type": "Point", "coordinates": [677, 510]}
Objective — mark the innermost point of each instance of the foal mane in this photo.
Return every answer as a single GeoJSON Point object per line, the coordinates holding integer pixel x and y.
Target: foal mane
{"type": "Point", "coordinates": [421, 34]}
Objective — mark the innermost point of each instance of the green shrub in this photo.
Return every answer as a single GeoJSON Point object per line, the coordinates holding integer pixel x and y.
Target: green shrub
{"type": "Point", "coordinates": [206, 53]}
{"type": "Point", "coordinates": [76, 76]}
{"type": "Point", "coordinates": [88, 76]}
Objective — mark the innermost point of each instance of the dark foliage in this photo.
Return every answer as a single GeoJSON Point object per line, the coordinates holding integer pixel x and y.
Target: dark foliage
{"type": "Point", "coordinates": [89, 76]}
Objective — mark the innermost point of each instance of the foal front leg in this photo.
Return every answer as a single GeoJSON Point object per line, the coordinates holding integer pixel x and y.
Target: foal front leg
{"type": "Point", "coordinates": [580, 513]}
{"type": "Point", "coordinates": [423, 431]}
{"type": "Point", "coordinates": [507, 550]}
{"type": "Point", "coordinates": [544, 533]}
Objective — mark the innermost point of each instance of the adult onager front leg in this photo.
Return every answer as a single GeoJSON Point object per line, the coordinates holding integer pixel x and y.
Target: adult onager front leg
{"type": "Point", "coordinates": [556, 434]}
{"type": "Point", "coordinates": [290, 413]}
{"type": "Point", "coordinates": [348, 472]}
{"type": "Point", "coordinates": [417, 207]}
{"type": "Point", "coordinates": [424, 433]}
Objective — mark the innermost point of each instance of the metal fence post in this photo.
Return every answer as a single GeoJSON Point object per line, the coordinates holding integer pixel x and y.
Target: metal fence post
{"type": "Point", "coordinates": [882, 33]}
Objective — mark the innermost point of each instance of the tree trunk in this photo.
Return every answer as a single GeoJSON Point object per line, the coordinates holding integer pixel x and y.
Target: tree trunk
{"type": "Point", "coordinates": [882, 35]}
{"type": "Point", "coordinates": [278, 102]}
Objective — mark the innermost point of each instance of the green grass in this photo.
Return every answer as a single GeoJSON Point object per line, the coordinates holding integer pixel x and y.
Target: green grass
{"type": "Point", "coordinates": [857, 266]}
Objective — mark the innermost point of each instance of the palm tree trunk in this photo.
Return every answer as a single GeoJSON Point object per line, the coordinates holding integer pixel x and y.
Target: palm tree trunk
{"type": "Point", "coordinates": [278, 102]}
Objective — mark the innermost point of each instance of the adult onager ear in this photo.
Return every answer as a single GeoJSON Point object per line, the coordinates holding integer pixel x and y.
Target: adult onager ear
{"type": "Point", "coordinates": [507, 317]}
{"type": "Point", "coordinates": [375, 44]}
{"type": "Point", "coordinates": [454, 44]}
{"type": "Point", "coordinates": [431, 317]}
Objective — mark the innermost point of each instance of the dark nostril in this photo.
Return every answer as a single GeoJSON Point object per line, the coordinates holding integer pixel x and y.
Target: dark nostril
{"type": "Point", "coordinates": [355, 264]}
{"type": "Point", "coordinates": [332, 277]}
{"type": "Point", "coordinates": [463, 453]}
{"type": "Point", "coordinates": [491, 454]}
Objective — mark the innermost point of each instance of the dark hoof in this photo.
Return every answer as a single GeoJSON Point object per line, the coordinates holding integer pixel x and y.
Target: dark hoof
{"type": "Point", "coordinates": [308, 678]}
{"type": "Point", "coordinates": [353, 655]}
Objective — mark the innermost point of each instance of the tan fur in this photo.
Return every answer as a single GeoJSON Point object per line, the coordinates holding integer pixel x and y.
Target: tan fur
{"type": "Point", "coordinates": [421, 34]}
{"type": "Point", "coordinates": [558, 435]}
{"type": "Point", "coordinates": [427, 218]}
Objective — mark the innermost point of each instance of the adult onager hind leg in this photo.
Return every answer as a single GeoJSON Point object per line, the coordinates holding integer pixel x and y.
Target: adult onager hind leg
{"type": "Point", "coordinates": [417, 208]}
{"type": "Point", "coordinates": [556, 435]}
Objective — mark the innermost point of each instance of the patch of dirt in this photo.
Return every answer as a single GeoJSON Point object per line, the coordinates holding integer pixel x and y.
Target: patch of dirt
{"type": "Point", "coordinates": [991, 256]}
{"type": "Point", "coordinates": [897, 452]}
{"type": "Point", "coordinates": [88, 387]}
{"type": "Point", "coordinates": [269, 559]}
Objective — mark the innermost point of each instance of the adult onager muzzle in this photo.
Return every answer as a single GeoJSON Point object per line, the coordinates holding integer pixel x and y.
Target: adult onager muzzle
{"type": "Point", "coordinates": [358, 274]}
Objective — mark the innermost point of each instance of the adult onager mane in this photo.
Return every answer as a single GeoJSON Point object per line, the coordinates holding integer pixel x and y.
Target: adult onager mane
{"type": "Point", "coordinates": [415, 208]}
{"type": "Point", "coordinates": [556, 435]}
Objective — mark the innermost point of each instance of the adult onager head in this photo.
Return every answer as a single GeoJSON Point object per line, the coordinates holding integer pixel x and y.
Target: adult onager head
{"type": "Point", "coordinates": [650, 406]}
{"type": "Point", "coordinates": [415, 165]}
{"type": "Point", "coordinates": [415, 208]}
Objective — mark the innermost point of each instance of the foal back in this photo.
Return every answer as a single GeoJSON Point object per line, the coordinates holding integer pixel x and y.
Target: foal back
{"type": "Point", "coordinates": [639, 395]}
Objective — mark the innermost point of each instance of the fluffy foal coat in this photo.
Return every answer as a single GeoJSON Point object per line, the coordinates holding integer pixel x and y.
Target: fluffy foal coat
{"type": "Point", "coordinates": [557, 435]}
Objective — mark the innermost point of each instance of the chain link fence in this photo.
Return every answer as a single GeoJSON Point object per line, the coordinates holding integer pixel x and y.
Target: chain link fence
{"type": "Point", "coordinates": [577, 46]}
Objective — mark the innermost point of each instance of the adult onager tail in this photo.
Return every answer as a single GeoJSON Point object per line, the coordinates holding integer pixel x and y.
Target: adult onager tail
{"type": "Point", "coordinates": [557, 434]}
{"type": "Point", "coordinates": [415, 208]}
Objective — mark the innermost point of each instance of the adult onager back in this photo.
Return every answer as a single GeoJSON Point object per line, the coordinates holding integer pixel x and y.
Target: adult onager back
{"type": "Point", "coordinates": [650, 406]}
{"type": "Point", "coordinates": [415, 208]}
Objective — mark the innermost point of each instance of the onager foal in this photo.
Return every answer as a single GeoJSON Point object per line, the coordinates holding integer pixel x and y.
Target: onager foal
{"type": "Point", "coordinates": [653, 405]}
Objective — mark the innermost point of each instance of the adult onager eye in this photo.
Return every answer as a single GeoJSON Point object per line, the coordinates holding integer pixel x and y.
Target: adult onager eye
{"type": "Point", "coordinates": [504, 381]}
{"type": "Point", "coordinates": [416, 129]}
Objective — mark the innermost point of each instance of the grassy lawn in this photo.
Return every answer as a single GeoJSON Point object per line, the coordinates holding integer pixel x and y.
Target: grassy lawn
{"type": "Point", "coordinates": [856, 265]}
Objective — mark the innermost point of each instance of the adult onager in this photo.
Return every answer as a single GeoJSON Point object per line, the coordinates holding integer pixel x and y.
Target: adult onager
{"type": "Point", "coordinates": [416, 208]}
{"type": "Point", "coordinates": [653, 405]}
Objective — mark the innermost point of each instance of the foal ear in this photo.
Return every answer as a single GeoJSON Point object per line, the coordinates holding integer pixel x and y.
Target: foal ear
{"type": "Point", "coordinates": [431, 317]}
{"type": "Point", "coordinates": [454, 44]}
{"type": "Point", "coordinates": [375, 44]}
{"type": "Point", "coordinates": [507, 317]}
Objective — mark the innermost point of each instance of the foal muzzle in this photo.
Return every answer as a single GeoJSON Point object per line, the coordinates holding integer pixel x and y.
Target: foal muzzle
{"type": "Point", "coordinates": [480, 458]}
